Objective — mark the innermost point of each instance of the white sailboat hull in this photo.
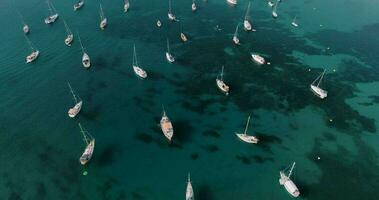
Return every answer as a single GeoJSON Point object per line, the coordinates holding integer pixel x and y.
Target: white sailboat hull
{"type": "Point", "coordinates": [159, 23]}
{"type": "Point", "coordinates": [51, 19]}
{"type": "Point", "coordinates": [222, 86]}
{"type": "Point", "coordinates": [33, 56]}
{"type": "Point", "coordinates": [232, 2]}
{"type": "Point", "coordinates": [25, 28]}
{"type": "Point", "coordinates": [78, 5]}
{"type": "Point", "coordinates": [193, 7]}
{"type": "Point", "coordinates": [189, 192]}
{"type": "Point", "coordinates": [69, 39]}
{"type": "Point", "coordinates": [258, 59]}
{"type": "Point", "coordinates": [72, 112]}
{"type": "Point", "coordinates": [171, 17]}
{"type": "Point", "coordinates": [169, 57]}
{"type": "Point", "coordinates": [103, 23]}
{"type": "Point", "coordinates": [274, 14]}
{"type": "Point", "coordinates": [319, 92]}
{"type": "Point", "coordinates": [294, 24]}
{"type": "Point", "coordinates": [139, 72]}
{"type": "Point", "coordinates": [236, 40]}
{"type": "Point", "coordinates": [289, 185]}
{"type": "Point", "coordinates": [247, 138]}
{"type": "Point", "coordinates": [86, 60]}
{"type": "Point", "coordinates": [247, 25]}
{"type": "Point", "coordinates": [126, 7]}
{"type": "Point", "coordinates": [270, 3]}
{"type": "Point", "coordinates": [87, 154]}
{"type": "Point", "coordinates": [166, 127]}
{"type": "Point", "coordinates": [183, 37]}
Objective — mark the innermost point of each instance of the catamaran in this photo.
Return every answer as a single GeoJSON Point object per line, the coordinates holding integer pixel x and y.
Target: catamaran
{"type": "Point", "coordinates": [169, 56]}
{"type": "Point", "coordinates": [103, 19]}
{"type": "Point", "coordinates": [34, 55]}
{"type": "Point", "coordinates": [70, 36]}
{"type": "Point", "coordinates": [232, 2]}
{"type": "Point", "coordinates": [183, 37]}
{"type": "Point", "coordinates": [126, 5]}
{"type": "Point", "coordinates": [274, 13]}
{"type": "Point", "coordinates": [247, 138]}
{"type": "Point", "coordinates": [316, 88]}
{"type": "Point", "coordinates": [159, 23]}
{"type": "Point", "coordinates": [294, 23]}
{"type": "Point", "coordinates": [78, 5]}
{"type": "Point", "coordinates": [270, 3]}
{"type": "Point", "coordinates": [288, 183]}
{"type": "Point", "coordinates": [193, 6]}
{"type": "Point", "coordinates": [170, 15]}
{"type": "Point", "coordinates": [85, 58]}
{"type": "Point", "coordinates": [221, 84]}
{"type": "Point", "coordinates": [246, 22]}
{"type": "Point", "coordinates": [166, 126]}
{"type": "Point", "coordinates": [138, 70]}
{"type": "Point", "coordinates": [259, 59]}
{"type": "Point", "coordinates": [189, 189]}
{"type": "Point", "coordinates": [53, 13]}
{"type": "Point", "coordinates": [72, 112]}
{"type": "Point", "coordinates": [235, 36]}
{"type": "Point", "coordinates": [90, 146]}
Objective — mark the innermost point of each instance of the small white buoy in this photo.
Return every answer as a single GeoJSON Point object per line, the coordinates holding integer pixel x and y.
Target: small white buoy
{"type": "Point", "coordinates": [318, 157]}
{"type": "Point", "coordinates": [320, 25]}
{"type": "Point", "coordinates": [309, 69]}
{"type": "Point", "coordinates": [334, 70]}
{"type": "Point", "coordinates": [330, 120]}
{"type": "Point", "coordinates": [268, 63]}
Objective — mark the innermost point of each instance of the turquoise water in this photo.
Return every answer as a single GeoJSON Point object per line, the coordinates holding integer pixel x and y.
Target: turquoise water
{"type": "Point", "coordinates": [40, 145]}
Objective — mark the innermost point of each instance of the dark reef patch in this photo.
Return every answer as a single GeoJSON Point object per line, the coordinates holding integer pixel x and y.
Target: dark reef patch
{"type": "Point", "coordinates": [194, 156]}
{"type": "Point", "coordinates": [204, 193]}
{"type": "Point", "coordinates": [210, 148]}
{"type": "Point", "coordinates": [211, 133]}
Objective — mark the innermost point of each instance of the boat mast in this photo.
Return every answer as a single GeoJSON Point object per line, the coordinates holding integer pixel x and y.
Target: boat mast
{"type": "Point", "coordinates": [247, 11]}
{"type": "Point", "coordinates": [53, 8]}
{"type": "Point", "coordinates": [29, 42]}
{"type": "Point", "coordinates": [21, 17]}
{"type": "Point", "coordinates": [101, 13]}
{"type": "Point", "coordinates": [247, 125]}
{"type": "Point", "coordinates": [189, 178]}
{"type": "Point", "coordinates": [85, 137]}
{"type": "Point", "coordinates": [168, 46]}
{"type": "Point", "coordinates": [80, 41]}
{"type": "Point", "coordinates": [236, 32]}
{"type": "Point", "coordinates": [49, 7]}
{"type": "Point", "coordinates": [72, 92]}
{"type": "Point", "coordinates": [67, 28]}
{"type": "Point", "coordinates": [294, 19]}
{"type": "Point", "coordinates": [322, 75]}
{"type": "Point", "coordinates": [222, 73]}
{"type": "Point", "coordinates": [290, 173]}
{"type": "Point", "coordinates": [276, 5]}
{"type": "Point", "coordinates": [135, 56]}
{"type": "Point", "coordinates": [169, 6]}
{"type": "Point", "coordinates": [164, 111]}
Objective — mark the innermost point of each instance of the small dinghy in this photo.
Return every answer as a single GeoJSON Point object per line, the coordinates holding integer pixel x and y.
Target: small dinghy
{"type": "Point", "coordinates": [103, 19]}
{"type": "Point", "coordinates": [193, 6]}
{"type": "Point", "coordinates": [183, 37]}
{"type": "Point", "coordinates": [70, 36]}
{"type": "Point", "coordinates": [53, 14]}
{"type": "Point", "coordinates": [315, 88]}
{"type": "Point", "coordinates": [274, 13]}
{"type": "Point", "coordinates": [90, 146]}
{"type": "Point", "coordinates": [247, 138]}
{"type": "Point", "coordinates": [85, 58]}
{"type": "Point", "coordinates": [126, 5]}
{"type": "Point", "coordinates": [35, 53]}
{"type": "Point", "coordinates": [166, 126]}
{"type": "Point", "coordinates": [78, 5]}
{"type": "Point", "coordinates": [236, 40]}
{"type": "Point", "coordinates": [270, 3]}
{"type": "Point", "coordinates": [137, 70]}
{"type": "Point", "coordinates": [72, 112]}
{"type": "Point", "coordinates": [294, 22]}
{"type": "Point", "coordinates": [288, 184]}
{"type": "Point", "coordinates": [170, 58]}
{"type": "Point", "coordinates": [221, 84]}
{"type": "Point", "coordinates": [170, 15]}
{"type": "Point", "coordinates": [232, 2]}
{"type": "Point", "coordinates": [258, 59]}
{"type": "Point", "coordinates": [189, 189]}
{"type": "Point", "coordinates": [159, 23]}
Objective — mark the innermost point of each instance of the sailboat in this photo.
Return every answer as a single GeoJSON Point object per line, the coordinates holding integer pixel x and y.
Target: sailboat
{"type": "Point", "coordinates": [288, 183]}
{"type": "Point", "coordinates": [126, 5]}
{"type": "Point", "coordinates": [221, 84]}
{"type": "Point", "coordinates": [170, 15]}
{"type": "Point", "coordinates": [258, 59]}
{"type": "Point", "coordinates": [166, 126]}
{"type": "Point", "coordinates": [32, 56]}
{"type": "Point", "coordinates": [193, 6]}
{"type": "Point", "coordinates": [246, 23]}
{"type": "Point", "coordinates": [78, 5]}
{"type": "Point", "coordinates": [159, 23]}
{"type": "Point", "coordinates": [70, 36]}
{"type": "Point", "coordinates": [53, 13]}
{"type": "Point", "coordinates": [25, 27]}
{"type": "Point", "coordinates": [169, 56]}
{"type": "Point", "coordinates": [235, 36]}
{"type": "Point", "coordinates": [138, 70]}
{"type": "Point", "coordinates": [72, 112]}
{"type": "Point", "coordinates": [85, 58]}
{"type": "Point", "coordinates": [294, 23]}
{"type": "Point", "coordinates": [90, 146]}
{"type": "Point", "coordinates": [183, 37]}
{"type": "Point", "coordinates": [274, 13]}
{"type": "Point", "coordinates": [189, 189]}
{"type": "Point", "coordinates": [232, 2]}
{"type": "Point", "coordinates": [316, 88]}
{"type": "Point", "coordinates": [270, 3]}
{"type": "Point", "coordinates": [247, 138]}
{"type": "Point", "coordinates": [103, 19]}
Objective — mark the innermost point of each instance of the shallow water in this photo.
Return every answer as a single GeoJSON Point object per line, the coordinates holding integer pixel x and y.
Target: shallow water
{"type": "Point", "coordinates": [132, 160]}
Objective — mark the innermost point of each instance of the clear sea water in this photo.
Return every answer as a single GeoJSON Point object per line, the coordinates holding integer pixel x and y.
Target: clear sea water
{"type": "Point", "coordinates": [41, 145]}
